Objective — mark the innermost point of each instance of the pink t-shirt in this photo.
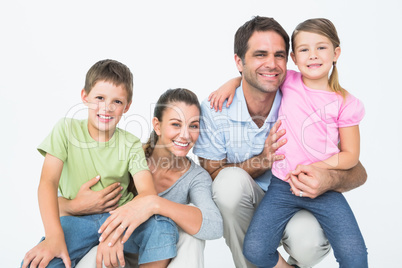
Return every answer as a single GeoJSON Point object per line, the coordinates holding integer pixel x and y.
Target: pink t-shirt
{"type": "Point", "coordinates": [312, 119]}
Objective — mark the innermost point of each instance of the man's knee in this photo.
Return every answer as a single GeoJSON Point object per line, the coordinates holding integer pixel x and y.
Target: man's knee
{"type": "Point", "coordinates": [230, 187]}
{"type": "Point", "coordinates": [305, 240]}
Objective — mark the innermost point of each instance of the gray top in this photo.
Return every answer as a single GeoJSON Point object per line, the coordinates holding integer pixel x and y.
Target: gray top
{"type": "Point", "coordinates": [195, 187]}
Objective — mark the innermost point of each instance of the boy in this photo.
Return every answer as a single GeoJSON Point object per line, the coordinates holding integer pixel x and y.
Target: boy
{"type": "Point", "coordinates": [77, 150]}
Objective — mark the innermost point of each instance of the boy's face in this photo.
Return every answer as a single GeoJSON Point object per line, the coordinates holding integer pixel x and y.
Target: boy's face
{"type": "Point", "coordinates": [107, 103]}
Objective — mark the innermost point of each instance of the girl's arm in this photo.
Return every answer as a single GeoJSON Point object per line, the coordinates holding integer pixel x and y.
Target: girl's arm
{"type": "Point", "coordinates": [54, 245]}
{"type": "Point", "coordinates": [348, 156]}
{"type": "Point", "coordinates": [225, 92]}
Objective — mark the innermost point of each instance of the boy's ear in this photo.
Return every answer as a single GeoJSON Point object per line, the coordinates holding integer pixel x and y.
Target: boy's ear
{"type": "Point", "coordinates": [157, 125]}
{"type": "Point", "coordinates": [84, 96]}
{"type": "Point", "coordinates": [293, 56]}
{"type": "Point", "coordinates": [127, 107]}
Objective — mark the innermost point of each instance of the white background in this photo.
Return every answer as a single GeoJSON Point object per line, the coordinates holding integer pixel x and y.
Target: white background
{"type": "Point", "coordinates": [46, 47]}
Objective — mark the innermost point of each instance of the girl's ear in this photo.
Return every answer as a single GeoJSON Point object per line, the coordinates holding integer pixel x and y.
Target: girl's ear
{"type": "Point", "coordinates": [293, 56]}
{"type": "Point", "coordinates": [337, 53]}
{"type": "Point", "coordinates": [84, 96]}
{"type": "Point", "coordinates": [157, 125]}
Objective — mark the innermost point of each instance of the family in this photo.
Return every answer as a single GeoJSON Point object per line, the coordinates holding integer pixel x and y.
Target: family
{"type": "Point", "coordinates": [279, 161]}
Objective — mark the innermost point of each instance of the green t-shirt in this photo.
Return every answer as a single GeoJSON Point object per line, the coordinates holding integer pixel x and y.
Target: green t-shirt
{"type": "Point", "coordinates": [85, 158]}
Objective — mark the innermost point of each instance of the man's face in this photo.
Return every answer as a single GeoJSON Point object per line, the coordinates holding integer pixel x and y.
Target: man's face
{"type": "Point", "coordinates": [264, 65]}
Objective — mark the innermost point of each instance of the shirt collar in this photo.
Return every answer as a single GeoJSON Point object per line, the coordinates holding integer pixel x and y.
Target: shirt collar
{"type": "Point", "coordinates": [238, 110]}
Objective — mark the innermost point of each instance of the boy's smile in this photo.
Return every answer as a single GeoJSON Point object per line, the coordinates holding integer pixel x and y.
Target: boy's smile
{"type": "Point", "coordinates": [107, 103]}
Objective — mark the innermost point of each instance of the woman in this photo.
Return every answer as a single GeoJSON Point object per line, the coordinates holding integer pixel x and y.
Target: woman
{"type": "Point", "coordinates": [184, 188]}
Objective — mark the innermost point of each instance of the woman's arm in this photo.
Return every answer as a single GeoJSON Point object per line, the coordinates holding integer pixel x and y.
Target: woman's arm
{"type": "Point", "coordinates": [89, 202]}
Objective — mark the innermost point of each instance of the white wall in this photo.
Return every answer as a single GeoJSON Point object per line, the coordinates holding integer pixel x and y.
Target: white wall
{"type": "Point", "coordinates": [46, 47]}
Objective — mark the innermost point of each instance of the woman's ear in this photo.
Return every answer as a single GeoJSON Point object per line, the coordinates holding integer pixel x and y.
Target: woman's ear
{"type": "Point", "coordinates": [157, 125]}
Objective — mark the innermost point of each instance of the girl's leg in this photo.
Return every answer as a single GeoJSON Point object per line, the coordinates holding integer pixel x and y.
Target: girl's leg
{"type": "Point", "coordinates": [336, 218]}
{"type": "Point", "coordinates": [266, 228]}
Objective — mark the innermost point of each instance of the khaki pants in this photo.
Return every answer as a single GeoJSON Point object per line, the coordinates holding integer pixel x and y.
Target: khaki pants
{"type": "Point", "coordinates": [237, 196]}
{"type": "Point", "coordinates": [190, 253]}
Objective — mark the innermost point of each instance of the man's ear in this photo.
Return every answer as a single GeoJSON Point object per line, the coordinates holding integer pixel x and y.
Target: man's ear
{"type": "Point", "coordinates": [84, 96]}
{"type": "Point", "coordinates": [239, 63]}
{"type": "Point", "coordinates": [157, 125]}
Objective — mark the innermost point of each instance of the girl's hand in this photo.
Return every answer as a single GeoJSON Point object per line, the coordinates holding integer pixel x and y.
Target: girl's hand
{"type": "Point", "coordinates": [225, 92]}
{"type": "Point", "coordinates": [110, 256]}
{"type": "Point", "coordinates": [45, 251]}
{"type": "Point", "coordinates": [127, 218]}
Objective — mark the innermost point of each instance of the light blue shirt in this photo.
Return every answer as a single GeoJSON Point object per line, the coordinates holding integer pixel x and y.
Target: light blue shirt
{"type": "Point", "coordinates": [233, 135]}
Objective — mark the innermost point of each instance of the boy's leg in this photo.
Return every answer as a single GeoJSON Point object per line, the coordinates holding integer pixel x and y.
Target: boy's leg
{"type": "Point", "coordinates": [154, 240]}
{"type": "Point", "coordinates": [268, 224]}
{"type": "Point", "coordinates": [340, 225]}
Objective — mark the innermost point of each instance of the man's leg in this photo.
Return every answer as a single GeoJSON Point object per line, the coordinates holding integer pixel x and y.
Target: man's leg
{"type": "Point", "coordinates": [237, 195]}
{"type": "Point", "coordinates": [304, 240]}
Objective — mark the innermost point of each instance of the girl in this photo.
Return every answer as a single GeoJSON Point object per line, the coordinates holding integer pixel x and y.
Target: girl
{"type": "Point", "coordinates": [316, 113]}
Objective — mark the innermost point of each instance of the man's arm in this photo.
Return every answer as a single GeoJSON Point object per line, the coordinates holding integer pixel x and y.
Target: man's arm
{"type": "Point", "coordinates": [257, 165]}
{"type": "Point", "coordinates": [314, 181]}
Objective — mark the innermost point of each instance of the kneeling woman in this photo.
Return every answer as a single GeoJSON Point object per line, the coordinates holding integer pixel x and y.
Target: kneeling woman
{"type": "Point", "coordinates": [184, 188]}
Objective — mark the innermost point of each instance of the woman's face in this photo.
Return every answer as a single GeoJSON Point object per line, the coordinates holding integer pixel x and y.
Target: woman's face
{"type": "Point", "coordinates": [179, 129]}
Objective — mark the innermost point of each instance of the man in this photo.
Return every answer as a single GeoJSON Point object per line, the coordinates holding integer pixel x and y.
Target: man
{"type": "Point", "coordinates": [237, 147]}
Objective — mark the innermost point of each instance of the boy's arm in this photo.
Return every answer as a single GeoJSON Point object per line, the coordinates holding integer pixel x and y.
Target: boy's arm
{"type": "Point", "coordinates": [54, 245]}
{"type": "Point", "coordinates": [348, 156]}
{"type": "Point", "coordinates": [226, 91]}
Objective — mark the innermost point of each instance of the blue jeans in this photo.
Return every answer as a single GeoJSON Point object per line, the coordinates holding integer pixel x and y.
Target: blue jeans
{"type": "Point", "coordinates": [279, 205]}
{"type": "Point", "coordinates": [154, 239]}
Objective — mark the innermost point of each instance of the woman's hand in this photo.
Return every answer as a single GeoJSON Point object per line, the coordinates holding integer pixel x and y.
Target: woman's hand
{"type": "Point", "coordinates": [128, 217]}
{"type": "Point", "coordinates": [89, 202]}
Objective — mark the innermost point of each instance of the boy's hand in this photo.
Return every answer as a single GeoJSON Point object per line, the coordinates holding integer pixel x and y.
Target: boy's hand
{"type": "Point", "coordinates": [45, 251]}
{"type": "Point", "coordinates": [110, 255]}
{"type": "Point", "coordinates": [88, 201]}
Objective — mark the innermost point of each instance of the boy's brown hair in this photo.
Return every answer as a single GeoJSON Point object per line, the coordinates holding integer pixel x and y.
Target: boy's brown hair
{"type": "Point", "coordinates": [110, 71]}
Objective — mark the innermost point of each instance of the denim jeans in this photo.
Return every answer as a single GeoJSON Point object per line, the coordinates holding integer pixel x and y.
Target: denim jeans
{"type": "Point", "coordinates": [154, 239]}
{"type": "Point", "coordinates": [277, 208]}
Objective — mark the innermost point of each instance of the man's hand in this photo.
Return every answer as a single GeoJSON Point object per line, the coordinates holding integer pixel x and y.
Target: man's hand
{"type": "Point", "coordinates": [88, 201]}
{"type": "Point", "coordinates": [272, 143]}
{"type": "Point", "coordinates": [110, 255]}
{"type": "Point", "coordinates": [45, 251]}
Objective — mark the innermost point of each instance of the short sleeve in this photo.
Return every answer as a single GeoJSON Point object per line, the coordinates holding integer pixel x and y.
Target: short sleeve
{"type": "Point", "coordinates": [210, 144]}
{"type": "Point", "coordinates": [56, 143]}
{"type": "Point", "coordinates": [137, 161]}
{"type": "Point", "coordinates": [351, 112]}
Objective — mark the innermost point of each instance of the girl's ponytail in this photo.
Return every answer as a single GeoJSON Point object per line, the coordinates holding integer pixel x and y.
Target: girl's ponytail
{"type": "Point", "coordinates": [334, 82]}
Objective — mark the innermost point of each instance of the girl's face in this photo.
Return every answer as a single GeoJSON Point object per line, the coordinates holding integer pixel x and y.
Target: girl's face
{"type": "Point", "coordinates": [178, 130]}
{"type": "Point", "coordinates": [314, 55]}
